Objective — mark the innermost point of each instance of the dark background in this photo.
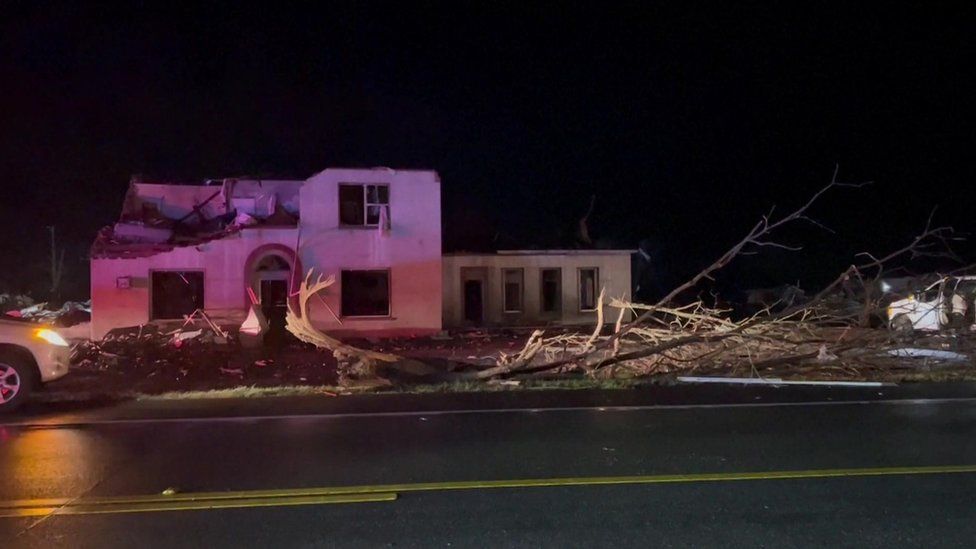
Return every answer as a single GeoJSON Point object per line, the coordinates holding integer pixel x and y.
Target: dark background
{"type": "Point", "coordinates": [685, 125]}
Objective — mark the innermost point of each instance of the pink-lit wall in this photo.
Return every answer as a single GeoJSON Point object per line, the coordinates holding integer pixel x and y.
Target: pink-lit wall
{"type": "Point", "coordinates": [175, 201]}
{"type": "Point", "coordinates": [411, 250]}
{"type": "Point", "coordinates": [223, 263]}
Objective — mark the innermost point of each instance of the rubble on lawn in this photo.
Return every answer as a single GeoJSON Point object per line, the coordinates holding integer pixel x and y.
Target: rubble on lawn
{"type": "Point", "coordinates": [12, 302]}
{"type": "Point", "coordinates": [170, 356]}
{"type": "Point", "coordinates": [157, 358]}
{"type": "Point", "coordinates": [69, 314]}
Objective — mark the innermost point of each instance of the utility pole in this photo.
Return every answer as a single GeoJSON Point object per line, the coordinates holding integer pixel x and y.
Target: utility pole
{"type": "Point", "coordinates": [57, 265]}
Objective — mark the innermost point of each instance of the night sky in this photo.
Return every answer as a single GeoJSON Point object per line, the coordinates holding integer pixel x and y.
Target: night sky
{"type": "Point", "coordinates": [685, 125]}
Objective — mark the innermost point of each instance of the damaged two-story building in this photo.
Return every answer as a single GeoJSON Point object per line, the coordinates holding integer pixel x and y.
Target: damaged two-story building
{"type": "Point", "coordinates": [222, 245]}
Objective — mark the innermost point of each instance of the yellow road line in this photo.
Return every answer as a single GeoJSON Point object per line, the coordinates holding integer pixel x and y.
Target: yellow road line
{"type": "Point", "coordinates": [191, 505]}
{"type": "Point", "coordinates": [210, 498]}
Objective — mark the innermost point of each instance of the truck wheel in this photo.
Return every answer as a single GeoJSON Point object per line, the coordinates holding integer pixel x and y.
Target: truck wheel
{"type": "Point", "coordinates": [16, 381]}
{"type": "Point", "coordinates": [901, 323]}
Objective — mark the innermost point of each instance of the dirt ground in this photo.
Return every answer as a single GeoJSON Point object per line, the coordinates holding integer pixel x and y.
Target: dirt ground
{"type": "Point", "coordinates": [148, 362]}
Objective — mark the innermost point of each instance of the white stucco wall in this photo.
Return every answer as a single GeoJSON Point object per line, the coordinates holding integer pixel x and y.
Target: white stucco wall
{"type": "Point", "coordinates": [223, 263]}
{"type": "Point", "coordinates": [411, 250]}
{"type": "Point", "coordinates": [614, 277]}
{"type": "Point", "coordinates": [286, 192]}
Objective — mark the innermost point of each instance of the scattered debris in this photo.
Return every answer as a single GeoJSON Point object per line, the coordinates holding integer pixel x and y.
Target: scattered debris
{"type": "Point", "coordinates": [777, 381]}
{"type": "Point", "coordinates": [254, 327]}
{"type": "Point", "coordinates": [505, 382]}
{"type": "Point", "coordinates": [244, 220]}
{"type": "Point", "coordinates": [69, 314]}
{"type": "Point", "coordinates": [823, 355]}
{"type": "Point", "coordinates": [910, 352]}
{"type": "Point", "coordinates": [14, 302]}
{"type": "Point", "coordinates": [180, 337]}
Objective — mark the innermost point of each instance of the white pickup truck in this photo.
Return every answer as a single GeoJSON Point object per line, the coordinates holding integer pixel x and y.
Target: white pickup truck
{"type": "Point", "coordinates": [946, 302]}
{"type": "Point", "coordinates": [30, 354]}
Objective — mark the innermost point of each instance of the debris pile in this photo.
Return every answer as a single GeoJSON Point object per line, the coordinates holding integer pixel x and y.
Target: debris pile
{"type": "Point", "coordinates": [149, 224]}
{"type": "Point", "coordinates": [71, 313]}
{"type": "Point", "coordinates": [14, 302]}
{"type": "Point", "coordinates": [154, 359]}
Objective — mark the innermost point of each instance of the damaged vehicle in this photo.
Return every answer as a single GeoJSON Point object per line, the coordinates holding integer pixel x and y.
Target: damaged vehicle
{"type": "Point", "coordinates": [29, 356]}
{"type": "Point", "coordinates": [946, 303]}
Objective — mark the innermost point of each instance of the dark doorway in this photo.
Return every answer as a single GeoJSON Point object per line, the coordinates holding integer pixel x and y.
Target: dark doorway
{"type": "Point", "coordinates": [274, 305]}
{"type": "Point", "coordinates": [473, 301]}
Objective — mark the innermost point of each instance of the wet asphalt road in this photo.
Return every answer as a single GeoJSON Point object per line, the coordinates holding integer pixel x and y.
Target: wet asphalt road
{"type": "Point", "coordinates": [126, 451]}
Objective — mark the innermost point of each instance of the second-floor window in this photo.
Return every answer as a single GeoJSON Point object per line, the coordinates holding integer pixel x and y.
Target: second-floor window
{"type": "Point", "coordinates": [364, 205]}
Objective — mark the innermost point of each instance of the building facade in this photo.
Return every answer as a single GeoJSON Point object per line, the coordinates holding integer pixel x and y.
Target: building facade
{"type": "Point", "coordinates": [221, 246]}
{"type": "Point", "coordinates": [534, 287]}
{"type": "Point", "coordinates": [179, 248]}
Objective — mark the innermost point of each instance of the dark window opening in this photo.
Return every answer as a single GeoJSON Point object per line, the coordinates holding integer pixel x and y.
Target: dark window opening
{"type": "Point", "coordinates": [513, 290]}
{"type": "Point", "coordinates": [351, 205]}
{"type": "Point", "coordinates": [176, 294]}
{"type": "Point", "coordinates": [365, 205]}
{"type": "Point", "coordinates": [365, 293]}
{"type": "Point", "coordinates": [589, 280]}
{"type": "Point", "coordinates": [551, 290]}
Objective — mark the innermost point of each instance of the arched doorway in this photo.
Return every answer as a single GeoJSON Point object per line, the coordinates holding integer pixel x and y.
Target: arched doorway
{"type": "Point", "coordinates": [271, 276]}
{"type": "Point", "coordinates": [270, 271]}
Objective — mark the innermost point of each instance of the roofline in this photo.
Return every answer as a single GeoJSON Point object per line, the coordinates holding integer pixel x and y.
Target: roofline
{"type": "Point", "coordinates": [385, 169]}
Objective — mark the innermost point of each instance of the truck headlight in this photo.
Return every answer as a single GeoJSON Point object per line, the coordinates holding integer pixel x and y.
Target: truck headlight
{"type": "Point", "coordinates": [51, 337]}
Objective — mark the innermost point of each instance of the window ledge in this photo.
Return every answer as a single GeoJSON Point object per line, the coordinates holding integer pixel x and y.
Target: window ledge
{"type": "Point", "coordinates": [370, 317]}
{"type": "Point", "coordinates": [359, 227]}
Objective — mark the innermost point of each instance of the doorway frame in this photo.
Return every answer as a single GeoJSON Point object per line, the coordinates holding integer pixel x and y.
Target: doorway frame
{"type": "Point", "coordinates": [479, 274]}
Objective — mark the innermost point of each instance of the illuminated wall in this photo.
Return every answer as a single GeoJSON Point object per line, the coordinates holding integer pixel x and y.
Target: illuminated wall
{"type": "Point", "coordinates": [614, 276]}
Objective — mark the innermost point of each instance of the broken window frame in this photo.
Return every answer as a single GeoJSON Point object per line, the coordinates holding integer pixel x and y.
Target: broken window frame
{"type": "Point", "coordinates": [344, 309]}
{"type": "Point", "coordinates": [557, 304]}
{"type": "Point", "coordinates": [377, 203]}
{"type": "Point", "coordinates": [590, 299]}
{"type": "Point", "coordinates": [520, 282]}
{"type": "Point", "coordinates": [201, 302]}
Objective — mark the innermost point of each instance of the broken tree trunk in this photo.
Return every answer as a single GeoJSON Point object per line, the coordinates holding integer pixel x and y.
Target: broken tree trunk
{"type": "Point", "coordinates": [352, 361]}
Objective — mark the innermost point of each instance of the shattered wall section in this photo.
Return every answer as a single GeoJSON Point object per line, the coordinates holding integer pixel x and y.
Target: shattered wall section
{"type": "Point", "coordinates": [266, 194]}
{"type": "Point", "coordinates": [173, 201]}
{"type": "Point", "coordinates": [120, 288]}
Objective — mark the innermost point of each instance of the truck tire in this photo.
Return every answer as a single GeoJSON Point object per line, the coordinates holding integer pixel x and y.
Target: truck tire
{"type": "Point", "coordinates": [16, 381]}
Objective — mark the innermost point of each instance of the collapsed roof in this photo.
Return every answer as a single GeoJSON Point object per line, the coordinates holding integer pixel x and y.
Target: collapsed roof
{"type": "Point", "coordinates": [159, 217]}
